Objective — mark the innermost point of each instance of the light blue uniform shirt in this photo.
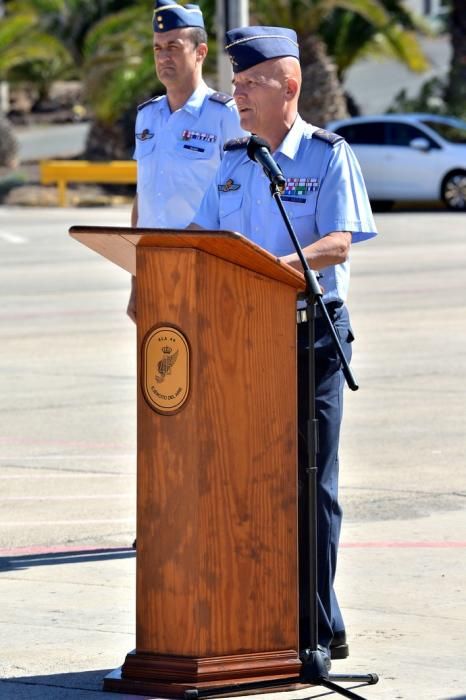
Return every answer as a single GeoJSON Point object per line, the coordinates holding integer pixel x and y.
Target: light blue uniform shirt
{"type": "Point", "coordinates": [178, 154]}
{"type": "Point", "coordinates": [325, 192]}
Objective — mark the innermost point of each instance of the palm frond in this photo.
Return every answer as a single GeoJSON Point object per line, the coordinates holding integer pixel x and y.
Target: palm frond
{"type": "Point", "coordinates": [402, 45]}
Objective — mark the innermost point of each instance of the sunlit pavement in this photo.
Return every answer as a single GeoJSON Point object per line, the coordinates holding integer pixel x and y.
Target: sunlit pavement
{"type": "Point", "coordinates": [67, 440]}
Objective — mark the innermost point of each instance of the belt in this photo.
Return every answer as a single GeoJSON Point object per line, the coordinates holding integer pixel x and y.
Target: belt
{"type": "Point", "coordinates": [332, 306]}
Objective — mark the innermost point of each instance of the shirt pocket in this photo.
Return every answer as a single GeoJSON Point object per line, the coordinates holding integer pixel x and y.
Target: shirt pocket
{"type": "Point", "coordinates": [302, 215]}
{"type": "Point", "coordinates": [195, 150]}
{"type": "Point", "coordinates": [230, 210]}
{"type": "Point", "coordinates": [144, 148]}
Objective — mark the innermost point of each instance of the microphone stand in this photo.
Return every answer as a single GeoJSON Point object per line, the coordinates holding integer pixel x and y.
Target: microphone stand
{"type": "Point", "coordinates": [314, 669]}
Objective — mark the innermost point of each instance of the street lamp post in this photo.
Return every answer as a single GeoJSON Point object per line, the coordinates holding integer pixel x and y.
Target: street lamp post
{"type": "Point", "coordinates": [229, 14]}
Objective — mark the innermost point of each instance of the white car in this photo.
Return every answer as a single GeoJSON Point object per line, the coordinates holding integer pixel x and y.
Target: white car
{"type": "Point", "coordinates": [409, 156]}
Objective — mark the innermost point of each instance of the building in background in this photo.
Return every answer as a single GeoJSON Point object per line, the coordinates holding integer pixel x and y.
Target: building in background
{"type": "Point", "coordinates": [432, 10]}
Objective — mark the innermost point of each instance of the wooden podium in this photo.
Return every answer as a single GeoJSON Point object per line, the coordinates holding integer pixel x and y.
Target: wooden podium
{"type": "Point", "coordinates": [217, 568]}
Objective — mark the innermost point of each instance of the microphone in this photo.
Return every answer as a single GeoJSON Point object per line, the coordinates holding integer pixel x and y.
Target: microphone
{"type": "Point", "coordinates": [259, 150]}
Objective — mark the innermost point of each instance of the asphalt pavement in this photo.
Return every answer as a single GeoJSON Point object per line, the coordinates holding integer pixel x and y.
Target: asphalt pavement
{"type": "Point", "coordinates": [67, 456]}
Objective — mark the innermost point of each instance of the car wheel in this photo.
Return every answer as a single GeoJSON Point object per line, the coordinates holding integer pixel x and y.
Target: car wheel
{"type": "Point", "coordinates": [380, 205]}
{"type": "Point", "coordinates": [454, 190]}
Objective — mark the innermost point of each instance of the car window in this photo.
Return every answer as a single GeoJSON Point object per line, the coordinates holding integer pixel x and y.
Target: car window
{"type": "Point", "coordinates": [450, 132]}
{"type": "Point", "coordinates": [364, 133]}
{"type": "Point", "coordinates": [401, 134]}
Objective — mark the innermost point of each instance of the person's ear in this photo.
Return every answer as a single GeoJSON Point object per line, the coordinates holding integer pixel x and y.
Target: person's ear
{"type": "Point", "coordinates": [292, 87]}
{"type": "Point", "coordinates": [201, 52]}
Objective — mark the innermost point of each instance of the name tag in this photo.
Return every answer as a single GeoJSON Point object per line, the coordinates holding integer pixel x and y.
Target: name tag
{"type": "Point", "coordinates": [289, 198]}
{"type": "Point", "coordinates": [194, 148]}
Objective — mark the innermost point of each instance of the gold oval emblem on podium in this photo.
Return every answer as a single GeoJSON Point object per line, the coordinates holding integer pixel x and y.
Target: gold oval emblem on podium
{"type": "Point", "coordinates": [165, 369]}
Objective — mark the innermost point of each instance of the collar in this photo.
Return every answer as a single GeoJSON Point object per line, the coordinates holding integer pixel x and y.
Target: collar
{"type": "Point", "coordinates": [193, 104]}
{"type": "Point", "coordinates": [290, 144]}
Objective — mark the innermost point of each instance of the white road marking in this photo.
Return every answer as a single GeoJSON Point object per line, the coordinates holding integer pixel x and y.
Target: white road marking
{"type": "Point", "coordinates": [12, 237]}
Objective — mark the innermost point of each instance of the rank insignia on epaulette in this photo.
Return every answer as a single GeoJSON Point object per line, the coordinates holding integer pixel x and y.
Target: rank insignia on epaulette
{"type": "Point", "coordinates": [150, 101]}
{"type": "Point", "coordinates": [188, 135]}
{"type": "Point", "coordinates": [229, 186]}
{"type": "Point", "coordinates": [235, 144]}
{"type": "Point", "coordinates": [221, 97]}
{"type": "Point", "coordinates": [327, 136]}
{"type": "Point", "coordinates": [145, 135]}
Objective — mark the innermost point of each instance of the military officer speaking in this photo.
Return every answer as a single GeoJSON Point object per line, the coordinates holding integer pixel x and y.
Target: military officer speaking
{"type": "Point", "coordinates": [179, 136]}
{"type": "Point", "coordinates": [327, 204]}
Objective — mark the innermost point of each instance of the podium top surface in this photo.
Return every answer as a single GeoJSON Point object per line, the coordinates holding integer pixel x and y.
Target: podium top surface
{"type": "Point", "coordinates": [119, 245]}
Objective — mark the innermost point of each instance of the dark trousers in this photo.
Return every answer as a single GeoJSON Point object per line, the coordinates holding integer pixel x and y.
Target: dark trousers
{"type": "Point", "coordinates": [329, 383]}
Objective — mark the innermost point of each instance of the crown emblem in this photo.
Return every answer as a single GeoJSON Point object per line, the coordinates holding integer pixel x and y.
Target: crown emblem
{"type": "Point", "coordinates": [167, 349]}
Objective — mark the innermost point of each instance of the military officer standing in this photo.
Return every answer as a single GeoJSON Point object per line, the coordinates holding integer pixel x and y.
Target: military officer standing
{"type": "Point", "coordinates": [179, 136]}
{"type": "Point", "coordinates": [326, 201]}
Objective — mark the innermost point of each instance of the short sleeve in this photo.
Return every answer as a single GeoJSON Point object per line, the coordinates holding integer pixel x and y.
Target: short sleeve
{"type": "Point", "coordinates": [343, 203]}
{"type": "Point", "coordinates": [135, 139]}
{"type": "Point", "coordinates": [207, 214]}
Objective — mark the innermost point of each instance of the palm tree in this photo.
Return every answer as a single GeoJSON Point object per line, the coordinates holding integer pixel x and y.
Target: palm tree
{"type": "Point", "coordinates": [8, 144]}
{"type": "Point", "coordinates": [42, 40]}
{"type": "Point", "coordinates": [456, 89]}
{"type": "Point", "coordinates": [118, 73]}
{"type": "Point", "coordinates": [351, 35]}
{"type": "Point", "coordinates": [335, 33]}
{"type": "Point", "coordinates": [27, 52]}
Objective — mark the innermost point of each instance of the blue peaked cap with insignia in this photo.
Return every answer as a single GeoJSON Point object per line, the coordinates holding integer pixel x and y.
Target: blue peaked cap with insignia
{"type": "Point", "coordinates": [248, 46]}
{"type": "Point", "coordinates": [170, 15]}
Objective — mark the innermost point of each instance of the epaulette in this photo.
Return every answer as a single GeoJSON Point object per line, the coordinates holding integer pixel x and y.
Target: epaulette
{"type": "Point", "coordinates": [327, 136]}
{"type": "Point", "coordinates": [236, 144]}
{"type": "Point", "coordinates": [147, 102]}
{"type": "Point", "coordinates": [221, 97]}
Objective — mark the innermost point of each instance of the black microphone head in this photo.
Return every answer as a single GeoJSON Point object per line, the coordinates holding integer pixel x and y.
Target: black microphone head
{"type": "Point", "coordinates": [254, 143]}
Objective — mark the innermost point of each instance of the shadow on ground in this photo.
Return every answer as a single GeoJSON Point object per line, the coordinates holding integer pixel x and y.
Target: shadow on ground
{"type": "Point", "coordinates": [56, 686]}
{"type": "Point", "coordinates": [21, 562]}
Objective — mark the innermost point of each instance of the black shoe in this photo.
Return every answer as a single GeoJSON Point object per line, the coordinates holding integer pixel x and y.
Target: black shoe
{"type": "Point", "coordinates": [338, 646]}
{"type": "Point", "coordinates": [134, 544]}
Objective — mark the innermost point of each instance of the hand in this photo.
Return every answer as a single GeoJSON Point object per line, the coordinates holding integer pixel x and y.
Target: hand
{"type": "Point", "coordinates": [293, 261]}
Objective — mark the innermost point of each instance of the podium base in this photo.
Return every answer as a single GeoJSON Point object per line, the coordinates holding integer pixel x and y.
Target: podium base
{"type": "Point", "coordinates": [181, 677]}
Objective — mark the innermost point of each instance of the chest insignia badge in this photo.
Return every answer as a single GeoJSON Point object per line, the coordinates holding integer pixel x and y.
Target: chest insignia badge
{"type": "Point", "coordinates": [229, 186]}
{"type": "Point", "coordinates": [145, 135]}
{"type": "Point", "coordinates": [301, 186]}
{"type": "Point", "coordinates": [189, 135]}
